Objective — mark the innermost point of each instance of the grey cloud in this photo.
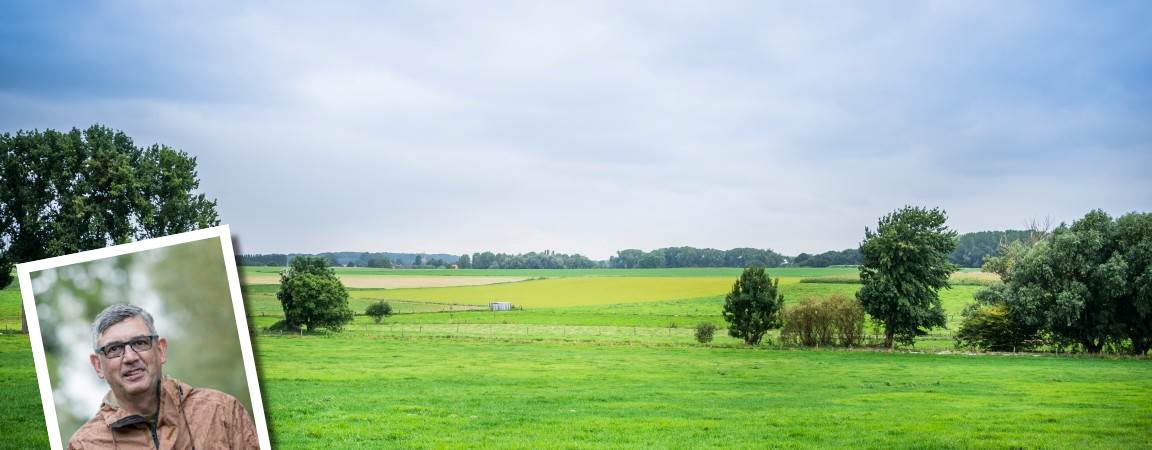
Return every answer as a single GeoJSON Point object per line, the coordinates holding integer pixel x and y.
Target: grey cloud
{"type": "Point", "coordinates": [591, 127]}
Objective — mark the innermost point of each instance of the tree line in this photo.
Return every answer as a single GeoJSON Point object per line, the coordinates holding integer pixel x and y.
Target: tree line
{"type": "Point", "coordinates": [672, 257]}
{"type": "Point", "coordinates": [532, 260]}
{"type": "Point", "coordinates": [971, 250]}
{"type": "Point", "coordinates": [352, 259]}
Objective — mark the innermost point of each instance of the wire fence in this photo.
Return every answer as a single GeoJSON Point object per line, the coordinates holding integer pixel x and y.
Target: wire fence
{"type": "Point", "coordinates": [572, 333]}
{"type": "Point", "coordinates": [936, 340]}
{"type": "Point", "coordinates": [10, 324]}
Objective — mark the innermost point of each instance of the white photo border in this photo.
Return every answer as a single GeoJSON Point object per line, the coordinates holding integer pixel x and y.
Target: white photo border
{"type": "Point", "coordinates": [224, 233]}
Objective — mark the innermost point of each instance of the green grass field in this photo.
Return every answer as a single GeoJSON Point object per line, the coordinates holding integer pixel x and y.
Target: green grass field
{"type": "Point", "coordinates": [21, 415]}
{"type": "Point", "coordinates": [429, 393]}
{"type": "Point", "coordinates": [10, 308]}
{"type": "Point", "coordinates": [596, 359]}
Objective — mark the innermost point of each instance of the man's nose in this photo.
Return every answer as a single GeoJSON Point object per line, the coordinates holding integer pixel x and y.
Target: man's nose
{"type": "Point", "coordinates": [130, 354]}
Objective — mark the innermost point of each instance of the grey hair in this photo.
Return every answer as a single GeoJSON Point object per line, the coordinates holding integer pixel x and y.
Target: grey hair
{"type": "Point", "coordinates": [115, 314]}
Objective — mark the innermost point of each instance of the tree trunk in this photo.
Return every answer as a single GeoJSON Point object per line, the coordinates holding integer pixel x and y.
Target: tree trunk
{"type": "Point", "coordinates": [889, 335]}
{"type": "Point", "coordinates": [23, 321]}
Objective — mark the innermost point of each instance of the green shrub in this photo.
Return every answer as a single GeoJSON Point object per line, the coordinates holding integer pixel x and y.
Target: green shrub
{"type": "Point", "coordinates": [704, 332]}
{"type": "Point", "coordinates": [379, 310]}
{"type": "Point", "coordinates": [847, 317]}
{"type": "Point", "coordinates": [990, 327]}
{"type": "Point", "coordinates": [835, 320]}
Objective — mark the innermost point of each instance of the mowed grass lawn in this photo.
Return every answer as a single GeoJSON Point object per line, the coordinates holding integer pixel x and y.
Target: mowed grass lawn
{"type": "Point", "coordinates": [340, 392]}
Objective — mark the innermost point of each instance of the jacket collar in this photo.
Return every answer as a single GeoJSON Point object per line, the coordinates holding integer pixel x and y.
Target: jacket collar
{"type": "Point", "coordinates": [172, 394]}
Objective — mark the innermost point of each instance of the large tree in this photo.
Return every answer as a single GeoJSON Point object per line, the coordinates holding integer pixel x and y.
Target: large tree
{"type": "Point", "coordinates": [65, 192]}
{"type": "Point", "coordinates": [904, 264]}
{"type": "Point", "coordinates": [753, 306]}
{"type": "Point", "coordinates": [1088, 284]}
{"type": "Point", "coordinates": [312, 296]}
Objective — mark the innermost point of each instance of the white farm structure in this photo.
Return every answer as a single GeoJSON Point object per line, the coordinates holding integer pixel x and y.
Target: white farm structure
{"type": "Point", "coordinates": [500, 306]}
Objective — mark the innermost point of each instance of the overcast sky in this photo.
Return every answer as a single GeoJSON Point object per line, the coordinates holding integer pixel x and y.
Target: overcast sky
{"type": "Point", "coordinates": [592, 127]}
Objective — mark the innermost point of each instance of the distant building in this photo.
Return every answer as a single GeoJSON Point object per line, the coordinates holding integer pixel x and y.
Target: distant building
{"type": "Point", "coordinates": [500, 306]}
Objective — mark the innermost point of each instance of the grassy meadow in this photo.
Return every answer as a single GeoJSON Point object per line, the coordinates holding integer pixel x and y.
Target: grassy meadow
{"type": "Point", "coordinates": [607, 359]}
{"type": "Point", "coordinates": [435, 392]}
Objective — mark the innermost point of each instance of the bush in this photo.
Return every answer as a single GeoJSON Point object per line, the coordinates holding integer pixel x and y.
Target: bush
{"type": "Point", "coordinates": [847, 317]}
{"type": "Point", "coordinates": [835, 320]}
{"type": "Point", "coordinates": [753, 306]}
{"type": "Point", "coordinates": [990, 327]}
{"type": "Point", "coordinates": [704, 332]}
{"type": "Point", "coordinates": [379, 311]}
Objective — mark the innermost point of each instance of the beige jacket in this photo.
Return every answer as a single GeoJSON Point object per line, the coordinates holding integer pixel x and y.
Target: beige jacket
{"type": "Point", "coordinates": [189, 418]}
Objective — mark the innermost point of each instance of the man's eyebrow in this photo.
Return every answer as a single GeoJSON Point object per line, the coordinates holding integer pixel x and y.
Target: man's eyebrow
{"type": "Point", "coordinates": [110, 344]}
{"type": "Point", "coordinates": [129, 340]}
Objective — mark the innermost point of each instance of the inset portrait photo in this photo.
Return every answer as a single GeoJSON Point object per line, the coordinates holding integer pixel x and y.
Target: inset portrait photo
{"type": "Point", "coordinates": [145, 345]}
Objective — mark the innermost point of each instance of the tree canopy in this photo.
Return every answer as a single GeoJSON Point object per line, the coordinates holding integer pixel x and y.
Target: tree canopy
{"type": "Point", "coordinates": [1088, 284]}
{"type": "Point", "coordinates": [905, 263]}
{"type": "Point", "coordinates": [312, 296]}
{"type": "Point", "coordinates": [753, 306]}
{"type": "Point", "coordinates": [66, 192]}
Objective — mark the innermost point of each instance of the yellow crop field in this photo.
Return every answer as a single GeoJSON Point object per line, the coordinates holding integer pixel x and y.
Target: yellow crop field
{"type": "Point", "coordinates": [565, 291]}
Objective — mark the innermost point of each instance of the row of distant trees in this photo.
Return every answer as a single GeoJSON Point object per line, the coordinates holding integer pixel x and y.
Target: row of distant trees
{"type": "Point", "coordinates": [695, 257]}
{"type": "Point", "coordinates": [846, 257]}
{"type": "Point", "coordinates": [971, 250]}
{"type": "Point", "coordinates": [345, 259]}
{"type": "Point", "coordinates": [544, 260]}
{"type": "Point", "coordinates": [282, 260]}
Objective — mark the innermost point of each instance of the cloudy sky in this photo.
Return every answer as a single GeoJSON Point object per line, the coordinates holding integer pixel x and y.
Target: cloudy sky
{"type": "Point", "coordinates": [597, 126]}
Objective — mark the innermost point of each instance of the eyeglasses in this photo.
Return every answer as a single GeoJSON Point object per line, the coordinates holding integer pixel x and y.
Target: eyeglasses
{"type": "Point", "coordinates": [113, 350]}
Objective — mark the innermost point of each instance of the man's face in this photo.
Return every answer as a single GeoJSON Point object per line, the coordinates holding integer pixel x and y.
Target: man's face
{"type": "Point", "coordinates": [133, 373]}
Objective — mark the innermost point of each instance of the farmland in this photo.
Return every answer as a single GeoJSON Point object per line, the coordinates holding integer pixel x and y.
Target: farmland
{"type": "Point", "coordinates": [416, 393]}
{"type": "Point", "coordinates": [606, 358]}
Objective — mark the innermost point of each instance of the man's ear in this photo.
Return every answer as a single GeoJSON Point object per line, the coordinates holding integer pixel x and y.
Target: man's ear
{"type": "Point", "coordinates": [95, 360]}
{"type": "Point", "coordinates": [162, 350]}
